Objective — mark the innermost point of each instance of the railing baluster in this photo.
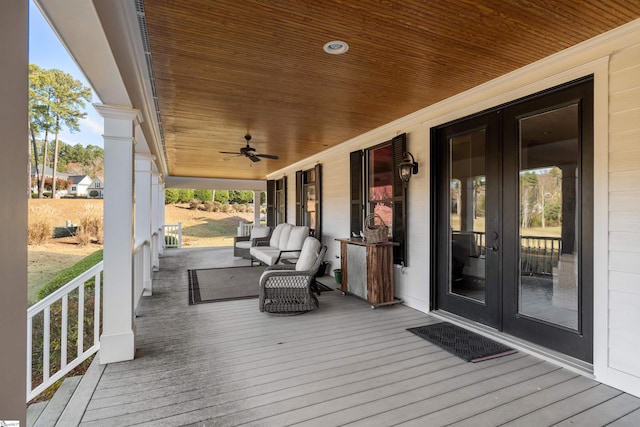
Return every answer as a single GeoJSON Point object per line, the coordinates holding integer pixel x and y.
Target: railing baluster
{"type": "Point", "coordinates": [96, 310]}
{"type": "Point", "coordinates": [46, 344]}
{"type": "Point", "coordinates": [80, 319]}
{"type": "Point", "coordinates": [65, 325]}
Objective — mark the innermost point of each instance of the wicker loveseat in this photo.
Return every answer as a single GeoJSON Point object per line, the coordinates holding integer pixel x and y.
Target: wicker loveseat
{"type": "Point", "coordinates": [285, 243]}
{"type": "Point", "coordinates": [242, 244]}
{"type": "Point", "coordinates": [287, 289]}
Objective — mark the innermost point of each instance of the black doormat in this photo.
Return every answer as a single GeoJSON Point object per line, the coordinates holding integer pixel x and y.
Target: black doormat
{"type": "Point", "coordinates": [462, 343]}
{"type": "Point", "coordinates": [226, 284]}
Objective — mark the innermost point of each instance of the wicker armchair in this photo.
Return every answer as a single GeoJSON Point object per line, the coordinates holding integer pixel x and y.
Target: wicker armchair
{"type": "Point", "coordinates": [288, 289]}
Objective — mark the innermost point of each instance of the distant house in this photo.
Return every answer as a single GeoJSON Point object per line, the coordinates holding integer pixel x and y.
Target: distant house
{"type": "Point", "coordinates": [96, 188]}
{"type": "Point", "coordinates": [79, 185]}
{"type": "Point", "coordinates": [48, 173]}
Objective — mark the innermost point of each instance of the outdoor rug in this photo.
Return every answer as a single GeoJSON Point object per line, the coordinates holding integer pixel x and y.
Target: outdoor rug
{"type": "Point", "coordinates": [462, 343]}
{"type": "Point", "coordinates": [225, 284]}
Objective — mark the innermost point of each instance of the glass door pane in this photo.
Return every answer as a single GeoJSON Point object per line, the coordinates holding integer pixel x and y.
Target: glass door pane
{"type": "Point", "coordinates": [467, 225]}
{"type": "Point", "coordinates": [548, 216]}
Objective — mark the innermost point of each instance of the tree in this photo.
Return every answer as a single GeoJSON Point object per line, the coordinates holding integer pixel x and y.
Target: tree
{"type": "Point", "coordinates": [56, 101]}
{"type": "Point", "coordinates": [39, 118]}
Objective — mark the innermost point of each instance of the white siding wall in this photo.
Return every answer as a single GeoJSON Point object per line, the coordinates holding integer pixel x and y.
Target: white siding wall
{"type": "Point", "coordinates": [624, 214]}
{"type": "Point", "coordinates": [614, 60]}
{"type": "Point", "coordinates": [412, 283]}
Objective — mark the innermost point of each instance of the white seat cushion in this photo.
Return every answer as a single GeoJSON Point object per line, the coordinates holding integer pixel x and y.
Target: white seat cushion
{"type": "Point", "coordinates": [297, 238]}
{"type": "Point", "coordinates": [243, 244]}
{"type": "Point", "coordinates": [309, 254]}
{"type": "Point", "coordinates": [264, 254]}
{"type": "Point", "coordinates": [257, 232]}
{"type": "Point", "coordinates": [275, 236]}
{"type": "Point", "coordinates": [284, 237]}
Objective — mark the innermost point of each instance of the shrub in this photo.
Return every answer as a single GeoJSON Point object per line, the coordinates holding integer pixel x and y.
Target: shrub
{"type": "Point", "coordinates": [194, 204]}
{"type": "Point", "coordinates": [217, 206]}
{"type": "Point", "coordinates": [185, 195]}
{"type": "Point", "coordinates": [203, 195]}
{"type": "Point", "coordinates": [208, 206]}
{"type": "Point", "coordinates": [41, 220]}
{"type": "Point", "coordinates": [91, 225]}
{"type": "Point", "coordinates": [70, 273]}
{"type": "Point", "coordinates": [170, 196]}
{"type": "Point", "coordinates": [222, 196]}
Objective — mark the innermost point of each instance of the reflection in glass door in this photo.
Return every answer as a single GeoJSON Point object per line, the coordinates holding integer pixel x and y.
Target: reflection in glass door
{"type": "Point", "coordinates": [548, 283]}
{"type": "Point", "coordinates": [467, 219]}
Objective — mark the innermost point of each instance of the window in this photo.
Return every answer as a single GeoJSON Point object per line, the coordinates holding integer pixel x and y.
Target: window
{"type": "Point", "coordinates": [276, 201]}
{"type": "Point", "coordinates": [380, 183]}
{"type": "Point", "coordinates": [74, 188]}
{"type": "Point", "coordinates": [308, 200]}
{"type": "Point", "coordinates": [375, 170]}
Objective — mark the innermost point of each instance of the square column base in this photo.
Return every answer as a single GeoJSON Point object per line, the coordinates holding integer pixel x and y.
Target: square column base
{"type": "Point", "coordinates": [117, 347]}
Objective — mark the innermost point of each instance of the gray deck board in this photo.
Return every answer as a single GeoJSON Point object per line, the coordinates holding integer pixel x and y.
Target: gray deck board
{"type": "Point", "coordinates": [568, 407]}
{"type": "Point", "coordinates": [629, 420]}
{"type": "Point", "coordinates": [605, 413]}
{"type": "Point", "coordinates": [228, 364]}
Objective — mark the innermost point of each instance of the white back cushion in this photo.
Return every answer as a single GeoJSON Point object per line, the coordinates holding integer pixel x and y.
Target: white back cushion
{"type": "Point", "coordinates": [309, 254]}
{"type": "Point", "coordinates": [297, 238]}
{"type": "Point", "coordinates": [257, 232]}
{"type": "Point", "coordinates": [275, 236]}
{"type": "Point", "coordinates": [284, 237]}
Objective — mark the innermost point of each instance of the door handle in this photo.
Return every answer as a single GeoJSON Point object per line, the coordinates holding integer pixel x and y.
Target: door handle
{"type": "Point", "coordinates": [494, 247]}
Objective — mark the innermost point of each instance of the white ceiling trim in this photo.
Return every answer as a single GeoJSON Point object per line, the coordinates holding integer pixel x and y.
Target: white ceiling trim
{"type": "Point", "coordinates": [215, 183]}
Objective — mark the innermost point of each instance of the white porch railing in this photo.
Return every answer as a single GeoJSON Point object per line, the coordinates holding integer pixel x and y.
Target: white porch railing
{"type": "Point", "coordinates": [244, 229]}
{"type": "Point", "coordinates": [57, 323]}
{"type": "Point", "coordinates": [172, 235]}
{"type": "Point", "coordinates": [141, 271]}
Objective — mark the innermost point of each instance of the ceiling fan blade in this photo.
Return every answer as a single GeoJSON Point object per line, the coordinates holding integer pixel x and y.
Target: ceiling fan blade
{"type": "Point", "coordinates": [268, 156]}
{"type": "Point", "coordinates": [253, 158]}
{"type": "Point", "coordinates": [229, 152]}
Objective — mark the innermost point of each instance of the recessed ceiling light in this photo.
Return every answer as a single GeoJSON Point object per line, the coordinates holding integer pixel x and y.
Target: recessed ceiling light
{"type": "Point", "coordinates": [336, 47]}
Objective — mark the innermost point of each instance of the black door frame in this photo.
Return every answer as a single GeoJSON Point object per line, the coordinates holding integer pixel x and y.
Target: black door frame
{"type": "Point", "coordinates": [578, 344]}
{"type": "Point", "coordinates": [487, 312]}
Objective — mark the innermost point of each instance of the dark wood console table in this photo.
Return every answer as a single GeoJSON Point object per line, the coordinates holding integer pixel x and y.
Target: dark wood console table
{"type": "Point", "coordinates": [367, 271]}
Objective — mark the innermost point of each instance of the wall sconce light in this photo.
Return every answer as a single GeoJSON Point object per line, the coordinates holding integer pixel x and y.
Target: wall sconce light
{"type": "Point", "coordinates": [407, 167]}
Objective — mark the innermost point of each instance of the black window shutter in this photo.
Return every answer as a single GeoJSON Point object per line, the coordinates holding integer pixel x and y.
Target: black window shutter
{"type": "Point", "coordinates": [271, 203]}
{"type": "Point", "coordinates": [318, 224]}
{"type": "Point", "coordinates": [299, 213]}
{"type": "Point", "coordinates": [399, 146]}
{"type": "Point", "coordinates": [356, 214]}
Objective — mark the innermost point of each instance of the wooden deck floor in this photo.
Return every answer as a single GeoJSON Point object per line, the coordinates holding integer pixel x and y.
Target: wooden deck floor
{"type": "Point", "coordinates": [345, 364]}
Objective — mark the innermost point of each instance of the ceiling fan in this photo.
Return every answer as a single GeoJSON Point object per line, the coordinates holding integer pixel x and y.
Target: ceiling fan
{"type": "Point", "coordinates": [250, 152]}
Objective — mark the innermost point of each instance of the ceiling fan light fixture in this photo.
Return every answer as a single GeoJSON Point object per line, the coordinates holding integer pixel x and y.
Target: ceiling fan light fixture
{"type": "Point", "coordinates": [336, 47]}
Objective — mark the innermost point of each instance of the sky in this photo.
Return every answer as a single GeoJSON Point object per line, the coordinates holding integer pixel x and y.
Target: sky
{"type": "Point", "coordinates": [46, 51]}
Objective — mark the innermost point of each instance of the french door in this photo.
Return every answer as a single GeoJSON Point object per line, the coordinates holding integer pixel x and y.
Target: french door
{"type": "Point", "coordinates": [513, 218]}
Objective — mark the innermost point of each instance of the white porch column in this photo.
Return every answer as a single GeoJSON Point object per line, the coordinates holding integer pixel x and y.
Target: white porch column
{"type": "Point", "coordinates": [14, 208]}
{"type": "Point", "coordinates": [117, 342]}
{"type": "Point", "coordinates": [156, 226]}
{"type": "Point", "coordinates": [256, 208]}
{"type": "Point", "coordinates": [144, 212]}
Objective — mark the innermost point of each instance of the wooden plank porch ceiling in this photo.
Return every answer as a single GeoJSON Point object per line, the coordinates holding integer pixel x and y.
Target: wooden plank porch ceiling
{"type": "Point", "coordinates": [345, 364]}
{"type": "Point", "coordinates": [226, 67]}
